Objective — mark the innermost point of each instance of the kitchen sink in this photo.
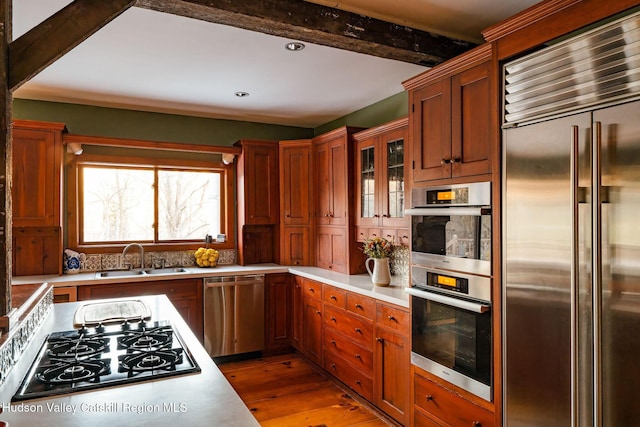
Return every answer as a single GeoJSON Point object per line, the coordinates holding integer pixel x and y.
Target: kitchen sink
{"type": "Point", "coordinates": [168, 270]}
{"type": "Point", "coordinates": [139, 272]}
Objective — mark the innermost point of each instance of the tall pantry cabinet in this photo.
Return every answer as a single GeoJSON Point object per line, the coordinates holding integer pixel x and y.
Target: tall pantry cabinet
{"type": "Point", "coordinates": [336, 248]}
{"type": "Point", "coordinates": [37, 198]}
{"type": "Point", "coordinates": [296, 202]}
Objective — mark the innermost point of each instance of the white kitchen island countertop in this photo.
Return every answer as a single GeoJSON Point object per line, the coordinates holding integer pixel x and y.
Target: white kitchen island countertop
{"type": "Point", "coordinates": [198, 399]}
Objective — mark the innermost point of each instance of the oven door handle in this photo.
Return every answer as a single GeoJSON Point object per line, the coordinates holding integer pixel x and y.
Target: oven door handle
{"type": "Point", "coordinates": [441, 211]}
{"type": "Point", "coordinates": [454, 302]}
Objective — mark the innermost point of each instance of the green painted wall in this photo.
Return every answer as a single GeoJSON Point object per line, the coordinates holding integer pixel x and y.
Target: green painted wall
{"type": "Point", "coordinates": [394, 107]}
{"type": "Point", "coordinates": [118, 123]}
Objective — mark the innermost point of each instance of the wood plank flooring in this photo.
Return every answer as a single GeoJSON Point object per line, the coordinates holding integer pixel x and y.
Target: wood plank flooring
{"type": "Point", "coordinates": [287, 391]}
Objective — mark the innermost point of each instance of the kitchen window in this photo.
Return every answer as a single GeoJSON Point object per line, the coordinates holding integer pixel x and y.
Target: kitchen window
{"type": "Point", "coordinates": [168, 204]}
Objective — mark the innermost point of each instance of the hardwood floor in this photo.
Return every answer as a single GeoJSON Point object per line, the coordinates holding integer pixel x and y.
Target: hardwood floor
{"type": "Point", "coordinates": [287, 391]}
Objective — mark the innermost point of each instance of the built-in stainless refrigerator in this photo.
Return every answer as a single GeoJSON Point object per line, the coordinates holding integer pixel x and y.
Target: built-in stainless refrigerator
{"type": "Point", "coordinates": [571, 254]}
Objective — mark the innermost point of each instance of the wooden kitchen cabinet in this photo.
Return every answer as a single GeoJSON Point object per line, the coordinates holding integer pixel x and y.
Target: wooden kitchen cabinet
{"type": "Point", "coordinates": [37, 197]}
{"type": "Point", "coordinates": [298, 313]}
{"type": "Point", "coordinates": [296, 202]}
{"type": "Point", "coordinates": [336, 247]}
{"type": "Point", "coordinates": [307, 318]}
{"type": "Point", "coordinates": [65, 294]}
{"type": "Point", "coordinates": [278, 313]}
{"type": "Point", "coordinates": [451, 118]}
{"type": "Point", "coordinates": [185, 294]}
{"type": "Point", "coordinates": [348, 339]}
{"type": "Point", "coordinates": [392, 385]}
{"type": "Point", "coordinates": [441, 406]}
{"type": "Point", "coordinates": [258, 201]}
{"type": "Point", "coordinates": [380, 181]}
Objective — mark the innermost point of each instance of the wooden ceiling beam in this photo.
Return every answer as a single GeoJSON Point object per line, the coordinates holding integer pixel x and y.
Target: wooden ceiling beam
{"type": "Point", "coordinates": [44, 44]}
{"type": "Point", "coordinates": [313, 23]}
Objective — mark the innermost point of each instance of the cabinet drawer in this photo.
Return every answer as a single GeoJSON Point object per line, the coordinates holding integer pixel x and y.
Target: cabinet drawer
{"type": "Point", "coordinates": [353, 327]}
{"type": "Point", "coordinates": [335, 296]}
{"type": "Point", "coordinates": [172, 288]}
{"type": "Point", "coordinates": [346, 373]}
{"type": "Point", "coordinates": [392, 318]}
{"type": "Point", "coordinates": [358, 356]}
{"type": "Point", "coordinates": [448, 406]}
{"type": "Point", "coordinates": [361, 305]}
{"type": "Point", "coordinates": [421, 420]}
{"type": "Point", "coordinates": [312, 289]}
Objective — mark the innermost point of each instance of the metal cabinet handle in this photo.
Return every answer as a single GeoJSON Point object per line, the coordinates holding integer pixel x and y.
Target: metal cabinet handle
{"type": "Point", "coordinates": [333, 365]}
{"type": "Point", "coordinates": [455, 160]}
{"type": "Point", "coordinates": [318, 312]}
{"type": "Point", "coordinates": [476, 424]}
{"type": "Point", "coordinates": [358, 306]}
{"type": "Point", "coordinates": [358, 330]}
{"type": "Point", "coordinates": [357, 356]}
{"type": "Point", "coordinates": [333, 319]}
{"type": "Point", "coordinates": [333, 297]}
{"type": "Point", "coordinates": [429, 397]}
{"type": "Point", "coordinates": [333, 342]}
{"type": "Point", "coordinates": [379, 339]}
{"type": "Point", "coordinates": [445, 161]}
{"type": "Point", "coordinates": [358, 382]}
{"type": "Point", "coordinates": [312, 290]}
{"type": "Point", "coordinates": [393, 319]}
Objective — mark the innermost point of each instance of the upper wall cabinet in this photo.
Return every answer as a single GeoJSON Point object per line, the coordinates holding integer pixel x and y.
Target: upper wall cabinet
{"type": "Point", "coordinates": [258, 201]}
{"type": "Point", "coordinates": [451, 118]}
{"type": "Point", "coordinates": [37, 166]}
{"type": "Point", "coordinates": [380, 181]}
{"type": "Point", "coordinates": [258, 192]}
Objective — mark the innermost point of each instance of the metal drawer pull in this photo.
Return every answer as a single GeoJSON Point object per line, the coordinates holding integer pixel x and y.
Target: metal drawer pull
{"type": "Point", "coordinates": [429, 397]}
{"type": "Point", "coordinates": [392, 318]}
{"type": "Point", "coordinates": [358, 357]}
{"type": "Point", "coordinates": [358, 306]}
{"type": "Point", "coordinates": [358, 330]}
{"type": "Point", "coordinates": [333, 319]}
{"type": "Point", "coordinates": [333, 297]}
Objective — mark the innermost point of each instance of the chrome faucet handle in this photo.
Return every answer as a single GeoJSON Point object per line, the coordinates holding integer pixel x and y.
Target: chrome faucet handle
{"type": "Point", "coordinates": [159, 262]}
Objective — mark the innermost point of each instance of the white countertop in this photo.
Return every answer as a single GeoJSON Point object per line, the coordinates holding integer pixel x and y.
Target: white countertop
{"type": "Point", "coordinates": [204, 398]}
{"type": "Point", "coordinates": [359, 283]}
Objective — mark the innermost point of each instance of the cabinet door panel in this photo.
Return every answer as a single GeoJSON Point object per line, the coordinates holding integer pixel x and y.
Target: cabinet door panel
{"type": "Point", "coordinates": [368, 182]}
{"type": "Point", "coordinates": [392, 385]}
{"type": "Point", "coordinates": [296, 246]}
{"type": "Point", "coordinates": [298, 313]}
{"type": "Point", "coordinates": [471, 124]}
{"type": "Point", "coordinates": [36, 178]}
{"type": "Point", "coordinates": [262, 181]}
{"type": "Point", "coordinates": [312, 321]}
{"type": "Point", "coordinates": [431, 117]}
{"type": "Point", "coordinates": [393, 177]}
{"type": "Point", "coordinates": [278, 312]}
{"type": "Point", "coordinates": [295, 184]}
{"type": "Point", "coordinates": [36, 251]}
{"type": "Point", "coordinates": [331, 249]}
{"type": "Point", "coordinates": [322, 183]}
{"type": "Point", "coordinates": [338, 182]}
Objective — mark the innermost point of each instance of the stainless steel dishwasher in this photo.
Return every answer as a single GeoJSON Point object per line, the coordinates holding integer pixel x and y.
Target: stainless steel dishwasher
{"type": "Point", "coordinates": [233, 314]}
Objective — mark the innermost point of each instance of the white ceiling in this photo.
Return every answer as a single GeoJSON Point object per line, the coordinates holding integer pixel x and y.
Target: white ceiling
{"type": "Point", "coordinates": [151, 61]}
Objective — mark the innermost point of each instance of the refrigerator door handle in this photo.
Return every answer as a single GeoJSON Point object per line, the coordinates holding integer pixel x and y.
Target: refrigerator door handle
{"type": "Point", "coordinates": [575, 200]}
{"type": "Point", "coordinates": [596, 183]}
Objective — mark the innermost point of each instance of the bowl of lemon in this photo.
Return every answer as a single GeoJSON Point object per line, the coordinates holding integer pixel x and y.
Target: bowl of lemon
{"type": "Point", "coordinates": [206, 257]}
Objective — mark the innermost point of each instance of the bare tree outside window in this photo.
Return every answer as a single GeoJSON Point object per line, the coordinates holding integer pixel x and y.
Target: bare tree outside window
{"type": "Point", "coordinates": [119, 204]}
{"type": "Point", "coordinates": [189, 205]}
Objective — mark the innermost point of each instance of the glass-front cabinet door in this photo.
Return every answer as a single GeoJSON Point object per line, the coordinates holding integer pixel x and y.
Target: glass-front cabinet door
{"type": "Point", "coordinates": [381, 177]}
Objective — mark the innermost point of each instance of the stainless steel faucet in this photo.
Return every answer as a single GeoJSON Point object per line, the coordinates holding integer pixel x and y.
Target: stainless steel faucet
{"type": "Point", "coordinates": [126, 248]}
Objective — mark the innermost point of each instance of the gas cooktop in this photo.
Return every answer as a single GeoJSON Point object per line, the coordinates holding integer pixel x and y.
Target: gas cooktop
{"type": "Point", "coordinates": [106, 355]}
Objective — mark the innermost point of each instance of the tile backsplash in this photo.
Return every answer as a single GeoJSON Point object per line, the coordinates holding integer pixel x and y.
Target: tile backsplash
{"type": "Point", "coordinates": [399, 262]}
{"type": "Point", "coordinates": [102, 262]}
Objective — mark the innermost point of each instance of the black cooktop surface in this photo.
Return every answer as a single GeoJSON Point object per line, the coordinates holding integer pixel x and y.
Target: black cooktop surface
{"type": "Point", "coordinates": [91, 358]}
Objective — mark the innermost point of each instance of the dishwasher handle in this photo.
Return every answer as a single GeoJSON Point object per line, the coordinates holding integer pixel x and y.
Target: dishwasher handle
{"type": "Point", "coordinates": [216, 282]}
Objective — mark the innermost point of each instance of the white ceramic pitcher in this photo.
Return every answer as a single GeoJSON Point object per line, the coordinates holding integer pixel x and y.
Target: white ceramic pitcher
{"type": "Point", "coordinates": [380, 276]}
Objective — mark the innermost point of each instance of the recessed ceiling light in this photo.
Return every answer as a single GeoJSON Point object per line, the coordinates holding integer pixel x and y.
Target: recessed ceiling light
{"type": "Point", "coordinates": [242, 94]}
{"type": "Point", "coordinates": [294, 46]}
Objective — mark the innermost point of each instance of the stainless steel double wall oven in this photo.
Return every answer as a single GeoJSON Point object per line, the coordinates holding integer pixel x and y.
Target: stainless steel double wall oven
{"type": "Point", "coordinates": [451, 284]}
